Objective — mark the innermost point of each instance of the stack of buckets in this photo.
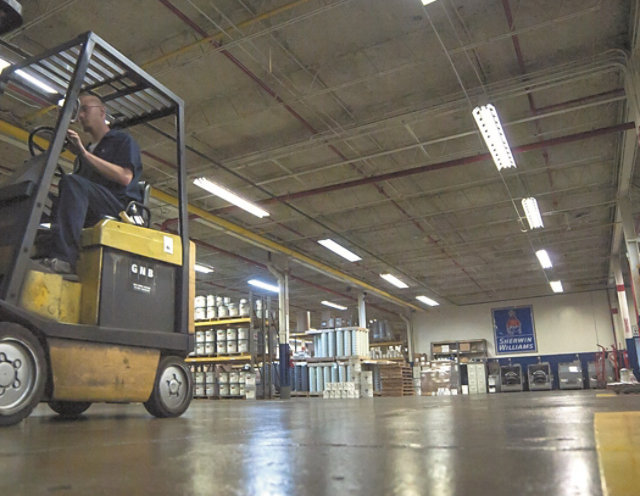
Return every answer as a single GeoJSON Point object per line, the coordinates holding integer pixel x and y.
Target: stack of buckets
{"type": "Point", "coordinates": [214, 381]}
{"type": "Point", "coordinates": [222, 341]}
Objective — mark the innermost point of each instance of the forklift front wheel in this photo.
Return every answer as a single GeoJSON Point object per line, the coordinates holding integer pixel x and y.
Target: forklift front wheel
{"type": "Point", "coordinates": [22, 373]}
{"type": "Point", "coordinates": [173, 389]}
{"type": "Point", "coordinates": [69, 409]}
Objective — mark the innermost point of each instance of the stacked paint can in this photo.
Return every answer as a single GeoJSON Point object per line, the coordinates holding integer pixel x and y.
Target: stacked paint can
{"type": "Point", "coordinates": [213, 381]}
{"type": "Point", "coordinates": [221, 341]}
{"type": "Point", "coordinates": [341, 342]}
{"type": "Point", "coordinates": [212, 307]}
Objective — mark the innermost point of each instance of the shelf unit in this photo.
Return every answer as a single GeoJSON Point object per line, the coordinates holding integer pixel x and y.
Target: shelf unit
{"type": "Point", "coordinates": [213, 323]}
{"type": "Point", "coordinates": [463, 351]}
{"type": "Point", "coordinates": [219, 359]}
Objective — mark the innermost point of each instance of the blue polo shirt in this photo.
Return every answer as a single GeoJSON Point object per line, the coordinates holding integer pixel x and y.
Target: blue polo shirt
{"type": "Point", "coordinates": [121, 149]}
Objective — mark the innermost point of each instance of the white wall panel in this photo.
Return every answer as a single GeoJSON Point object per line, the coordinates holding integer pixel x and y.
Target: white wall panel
{"type": "Point", "coordinates": [571, 323]}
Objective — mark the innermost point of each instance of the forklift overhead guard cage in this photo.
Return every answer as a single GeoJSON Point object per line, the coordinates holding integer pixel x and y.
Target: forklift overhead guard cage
{"type": "Point", "coordinates": [88, 64]}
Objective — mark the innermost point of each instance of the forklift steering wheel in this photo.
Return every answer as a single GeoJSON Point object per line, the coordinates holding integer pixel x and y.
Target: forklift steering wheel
{"type": "Point", "coordinates": [35, 149]}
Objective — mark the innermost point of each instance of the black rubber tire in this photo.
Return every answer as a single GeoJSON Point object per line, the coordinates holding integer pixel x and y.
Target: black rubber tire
{"type": "Point", "coordinates": [69, 409]}
{"type": "Point", "coordinates": [22, 384]}
{"type": "Point", "coordinates": [172, 390]}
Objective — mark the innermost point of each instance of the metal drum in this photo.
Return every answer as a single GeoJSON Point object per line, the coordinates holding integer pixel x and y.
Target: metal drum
{"type": "Point", "coordinates": [339, 343]}
{"type": "Point", "coordinates": [241, 389]}
{"type": "Point", "coordinates": [243, 346]}
{"type": "Point", "coordinates": [243, 333]}
{"type": "Point", "coordinates": [209, 377]}
{"type": "Point", "coordinates": [212, 313]}
{"type": "Point", "coordinates": [200, 336]}
{"type": "Point", "coordinates": [233, 310]}
{"type": "Point", "coordinates": [223, 378]}
{"type": "Point", "coordinates": [223, 311]}
{"type": "Point", "coordinates": [211, 300]}
{"type": "Point", "coordinates": [209, 348]}
{"type": "Point", "coordinates": [234, 389]}
{"type": "Point", "coordinates": [224, 389]}
{"type": "Point", "coordinates": [221, 334]}
{"type": "Point", "coordinates": [221, 346]}
{"type": "Point", "coordinates": [232, 346]}
{"type": "Point", "coordinates": [243, 308]}
{"type": "Point", "coordinates": [234, 376]}
{"type": "Point", "coordinates": [232, 334]}
{"type": "Point", "coordinates": [199, 349]}
{"type": "Point", "coordinates": [209, 336]}
{"type": "Point", "coordinates": [200, 313]}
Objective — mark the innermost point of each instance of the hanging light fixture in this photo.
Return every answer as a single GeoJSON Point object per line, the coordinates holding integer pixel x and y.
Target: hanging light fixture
{"type": "Point", "coordinates": [556, 286]}
{"type": "Point", "coordinates": [531, 210]}
{"type": "Point", "coordinates": [264, 285]}
{"type": "Point", "coordinates": [204, 269]}
{"type": "Point", "coordinates": [544, 259]}
{"type": "Point", "coordinates": [339, 250]}
{"type": "Point", "coordinates": [427, 301]}
{"type": "Point", "coordinates": [333, 305]}
{"type": "Point", "coordinates": [394, 280]}
{"type": "Point", "coordinates": [230, 196]}
{"type": "Point", "coordinates": [490, 127]}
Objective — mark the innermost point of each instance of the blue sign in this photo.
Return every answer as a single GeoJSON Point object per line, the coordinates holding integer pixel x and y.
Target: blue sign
{"type": "Point", "coordinates": [513, 330]}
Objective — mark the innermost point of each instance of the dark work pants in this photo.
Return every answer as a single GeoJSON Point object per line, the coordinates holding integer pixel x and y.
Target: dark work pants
{"type": "Point", "coordinates": [80, 203]}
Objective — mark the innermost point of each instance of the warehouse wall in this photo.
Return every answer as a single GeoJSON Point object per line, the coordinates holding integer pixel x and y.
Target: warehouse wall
{"type": "Point", "coordinates": [566, 323]}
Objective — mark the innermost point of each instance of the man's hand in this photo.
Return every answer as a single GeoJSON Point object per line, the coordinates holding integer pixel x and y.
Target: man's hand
{"type": "Point", "coordinates": [75, 143]}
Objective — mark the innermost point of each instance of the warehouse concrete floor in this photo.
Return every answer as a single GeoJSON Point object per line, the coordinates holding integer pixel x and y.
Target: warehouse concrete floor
{"type": "Point", "coordinates": [505, 444]}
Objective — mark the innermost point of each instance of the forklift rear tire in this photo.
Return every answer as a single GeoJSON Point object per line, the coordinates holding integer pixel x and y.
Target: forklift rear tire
{"type": "Point", "coordinates": [173, 389]}
{"type": "Point", "coordinates": [23, 373]}
{"type": "Point", "coordinates": [69, 409]}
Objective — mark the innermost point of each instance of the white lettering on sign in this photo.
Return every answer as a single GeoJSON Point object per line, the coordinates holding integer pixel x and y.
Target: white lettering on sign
{"type": "Point", "coordinates": [142, 270]}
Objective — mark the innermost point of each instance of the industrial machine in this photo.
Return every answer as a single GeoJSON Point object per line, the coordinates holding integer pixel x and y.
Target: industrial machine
{"type": "Point", "coordinates": [511, 377]}
{"type": "Point", "coordinates": [540, 378]}
{"type": "Point", "coordinates": [120, 333]}
{"type": "Point", "coordinates": [600, 374]}
{"type": "Point", "coordinates": [570, 375]}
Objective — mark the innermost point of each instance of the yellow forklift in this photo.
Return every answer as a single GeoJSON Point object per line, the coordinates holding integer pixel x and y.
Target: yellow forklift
{"type": "Point", "coordinates": [121, 332]}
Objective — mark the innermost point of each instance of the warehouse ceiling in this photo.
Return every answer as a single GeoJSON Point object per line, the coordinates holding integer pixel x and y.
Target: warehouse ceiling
{"type": "Point", "coordinates": [352, 120]}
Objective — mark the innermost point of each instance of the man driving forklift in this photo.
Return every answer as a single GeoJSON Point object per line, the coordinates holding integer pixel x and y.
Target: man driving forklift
{"type": "Point", "coordinates": [106, 181]}
{"type": "Point", "coordinates": [121, 331]}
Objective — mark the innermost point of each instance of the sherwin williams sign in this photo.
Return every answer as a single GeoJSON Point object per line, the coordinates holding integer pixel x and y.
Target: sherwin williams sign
{"type": "Point", "coordinates": [513, 330]}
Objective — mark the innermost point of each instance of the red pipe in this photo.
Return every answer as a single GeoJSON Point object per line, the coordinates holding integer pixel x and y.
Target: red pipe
{"type": "Point", "coordinates": [583, 100]}
{"type": "Point", "coordinates": [447, 164]}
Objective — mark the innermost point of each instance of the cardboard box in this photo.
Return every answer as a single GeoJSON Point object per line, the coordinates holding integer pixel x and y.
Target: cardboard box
{"type": "Point", "coordinates": [465, 346]}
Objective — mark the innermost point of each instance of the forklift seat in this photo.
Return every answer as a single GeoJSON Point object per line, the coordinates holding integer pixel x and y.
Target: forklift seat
{"type": "Point", "coordinates": [136, 212]}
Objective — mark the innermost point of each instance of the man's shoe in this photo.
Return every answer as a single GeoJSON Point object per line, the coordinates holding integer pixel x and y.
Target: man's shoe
{"type": "Point", "coordinates": [57, 266]}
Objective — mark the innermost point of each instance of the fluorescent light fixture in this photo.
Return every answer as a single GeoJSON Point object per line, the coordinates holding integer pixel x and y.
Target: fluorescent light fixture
{"type": "Point", "coordinates": [205, 269]}
{"type": "Point", "coordinates": [264, 285]}
{"type": "Point", "coordinates": [229, 196]}
{"type": "Point", "coordinates": [333, 305]}
{"type": "Point", "coordinates": [340, 250]}
{"type": "Point", "coordinates": [531, 210]}
{"type": "Point", "coordinates": [427, 301]}
{"type": "Point", "coordinates": [394, 280]}
{"type": "Point", "coordinates": [556, 286]}
{"type": "Point", "coordinates": [36, 82]}
{"type": "Point", "coordinates": [491, 129]}
{"type": "Point", "coordinates": [544, 259]}
{"type": "Point", "coordinates": [28, 77]}
{"type": "Point", "coordinates": [427, 2]}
